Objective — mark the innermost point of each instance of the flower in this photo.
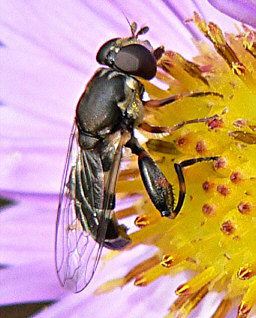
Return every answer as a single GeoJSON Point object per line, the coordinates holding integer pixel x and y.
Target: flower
{"type": "Point", "coordinates": [214, 233]}
{"type": "Point", "coordinates": [45, 54]}
{"type": "Point", "coordinates": [243, 11]}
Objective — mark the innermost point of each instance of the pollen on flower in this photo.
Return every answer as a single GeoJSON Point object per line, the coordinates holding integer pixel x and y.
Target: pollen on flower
{"type": "Point", "coordinates": [201, 147]}
{"type": "Point", "coordinates": [245, 207]}
{"type": "Point", "coordinates": [221, 163]}
{"type": "Point", "coordinates": [208, 209]}
{"type": "Point", "coordinates": [223, 190]}
{"type": "Point", "coordinates": [228, 227]}
{"type": "Point", "coordinates": [215, 123]}
{"type": "Point", "coordinates": [236, 177]}
{"type": "Point", "coordinates": [181, 141]}
{"type": "Point", "coordinates": [208, 186]}
{"type": "Point", "coordinates": [240, 123]}
{"type": "Point", "coordinates": [214, 234]}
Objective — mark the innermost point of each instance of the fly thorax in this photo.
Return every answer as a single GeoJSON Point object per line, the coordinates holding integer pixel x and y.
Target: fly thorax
{"type": "Point", "coordinates": [136, 110]}
{"type": "Point", "coordinates": [132, 105]}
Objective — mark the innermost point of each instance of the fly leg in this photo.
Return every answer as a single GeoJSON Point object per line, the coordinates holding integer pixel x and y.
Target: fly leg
{"type": "Point", "coordinates": [169, 130]}
{"type": "Point", "coordinates": [157, 186]}
{"type": "Point", "coordinates": [156, 103]}
{"type": "Point", "coordinates": [159, 189]}
{"type": "Point", "coordinates": [182, 186]}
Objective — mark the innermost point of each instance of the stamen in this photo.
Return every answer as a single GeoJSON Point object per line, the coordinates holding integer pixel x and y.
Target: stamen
{"type": "Point", "coordinates": [187, 303]}
{"type": "Point", "coordinates": [126, 212]}
{"type": "Point", "coordinates": [223, 190]}
{"type": "Point", "coordinates": [201, 147]}
{"type": "Point", "coordinates": [238, 68]}
{"type": "Point", "coordinates": [162, 146]}
{"type": "Point", "coordinates": [248, 138]}
{"type": "Point", "coordinates": [223, 308]}
{"type": "Point", "coordinates": [181, 69]}
{"type": "Point", "coordinates": [149, 276]}
{"type": "Point", "coordinates": [142, 267]}
{"type": "Point", "coordinates": [240, 123]}
{"type": "Point", "coordinates": [148, 232]}
{"type": "Point", "coordinates": [228, 227]}
{"type": "Point", "coordinates": [248, 300]}
{"type": "Point", "coordinates": [216, 123]}
{"type": "Point", "coordinates": [236, 177]}
{"type": "Point", "coordinates": [215, 35]}
{"type": "Point", "coordinates": [146, 219]}
{"type": "Point", "coordinates": [197, 282]}
{"type": "Point", "coordinates": [128, 174]}
{"type": "Point", "coordinates": [123, 187]}
{"type": "Point", "coordinates": [167, 260]}
{"type": "Point", "coordinates": [221, 163]}
{"type": "Point", "coordinates": [208, 186]}
{"type": "Point", "coordinates": [209, 209]}
{"type": "Point", "coordinates": [245, 207]}
{"type": "Point", "coordinates": [246, 272]}
{"type": "Point", "coordinates": [177, 256]}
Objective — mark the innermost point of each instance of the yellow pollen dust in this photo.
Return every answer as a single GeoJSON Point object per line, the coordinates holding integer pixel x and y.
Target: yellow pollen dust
{"type": "Point", "coordinates": [214, 235]}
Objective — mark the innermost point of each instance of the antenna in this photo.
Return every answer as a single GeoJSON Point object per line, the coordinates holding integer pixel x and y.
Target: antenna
{"type": "Point", "coordinates": [134, 26]}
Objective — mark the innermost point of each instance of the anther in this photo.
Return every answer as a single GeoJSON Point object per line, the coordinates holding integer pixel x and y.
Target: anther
{"type": "Point", "coordinates": [181, 141]}
{"type": "Point", "coordinates": [244, 207]}
{"type": "Point", "coordinates": [238, 68]}
{"type": "Point", "coordinates": [243, 309]}
{"type": "Point", "coordinates": [228, 227]}
{"type": "Point", "coordinates": [245, 272]}
{"type": "Point", "coordinates": [236, 177]}
{"type": "Point", "coordinates": [240, 123]}
{"type": "Point", "coordinates": [215, 123]}
{"type": "Point", "coordinates": [223, 190]}
{"type": "Point", "coordinates": [207, 186]}
{"type": "Point", "coordinates": [182, 290]}
{"type": "Point", "coordinates": [221, 163]}
{"type": "Point", "coordinates": [200, 146]}
{"type": "Point", "coordinates": [167, 260]}
{"type": "Point", "coordinates": [208, 209]}
{"type": "Point", "coordinates": [140, 281]}
{"type": "Point", "coordinates": [142, 221]}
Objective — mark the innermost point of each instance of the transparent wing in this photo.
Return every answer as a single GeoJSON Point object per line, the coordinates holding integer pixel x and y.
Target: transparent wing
{"type": "Point", "coordinates": [84, 211]}
{"type": "Point", "coordinates": [76, 252]}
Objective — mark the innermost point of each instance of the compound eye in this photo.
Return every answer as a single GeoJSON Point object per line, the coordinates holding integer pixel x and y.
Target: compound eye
{"type": "Point", "coordinates": [136, 59]}
{"type": "Point", "coordinates": [103, 55]}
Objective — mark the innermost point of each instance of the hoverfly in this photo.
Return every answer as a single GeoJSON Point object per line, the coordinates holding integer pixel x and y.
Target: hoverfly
{"type": "Point", "coordinates": [109, 110]}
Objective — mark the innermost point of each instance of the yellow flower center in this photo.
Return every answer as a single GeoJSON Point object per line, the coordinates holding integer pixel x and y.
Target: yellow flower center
{"type": "Point", "coordinates": [214, 235]}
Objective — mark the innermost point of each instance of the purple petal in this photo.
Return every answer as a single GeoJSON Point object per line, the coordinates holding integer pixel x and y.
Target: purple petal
{"type": "Point", "coordinates": [243, 10]}
{"type": "Point", "coordinates": [33, 282]}
{"type": "Point", "coordinates": [130, 302]}
{"type": "Point", "coordinates": [28, 230]}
